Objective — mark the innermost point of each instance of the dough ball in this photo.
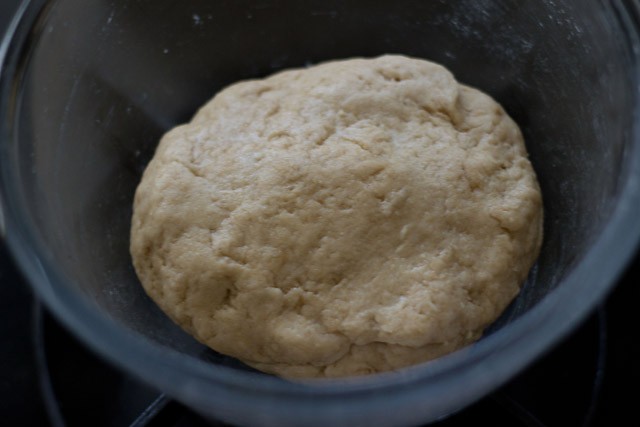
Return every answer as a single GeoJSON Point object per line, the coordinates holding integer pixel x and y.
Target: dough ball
{"type": "Point", "coordinates": [353, 217]}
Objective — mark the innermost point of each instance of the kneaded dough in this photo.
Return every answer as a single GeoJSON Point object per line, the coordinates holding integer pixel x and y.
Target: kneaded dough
{"type": "Point", "coordinates": [353, 217]}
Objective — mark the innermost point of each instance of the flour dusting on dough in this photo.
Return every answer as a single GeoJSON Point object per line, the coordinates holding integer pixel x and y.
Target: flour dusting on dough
{"type": "Point", "coordinates": [352, 217]}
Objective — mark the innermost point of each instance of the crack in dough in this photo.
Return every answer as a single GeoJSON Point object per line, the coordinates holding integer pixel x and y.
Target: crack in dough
{"type": "Point", "coordinates": [349, 218]}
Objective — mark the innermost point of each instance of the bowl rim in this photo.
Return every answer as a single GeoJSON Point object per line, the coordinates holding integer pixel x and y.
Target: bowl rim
{"type": "Point", "coordinates": [186, 378]}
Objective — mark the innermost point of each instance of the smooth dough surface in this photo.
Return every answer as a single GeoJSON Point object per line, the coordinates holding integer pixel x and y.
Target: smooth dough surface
{"type": "Point", "coordinates": [353, 217]}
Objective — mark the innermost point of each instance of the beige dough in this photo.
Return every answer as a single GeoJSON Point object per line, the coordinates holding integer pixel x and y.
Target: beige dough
{"type": "Point", "coordinates": [353, 217]}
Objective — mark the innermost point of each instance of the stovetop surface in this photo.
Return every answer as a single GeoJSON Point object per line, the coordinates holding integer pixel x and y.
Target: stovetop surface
{"type": "Point", "coordinates": [48, 378]}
